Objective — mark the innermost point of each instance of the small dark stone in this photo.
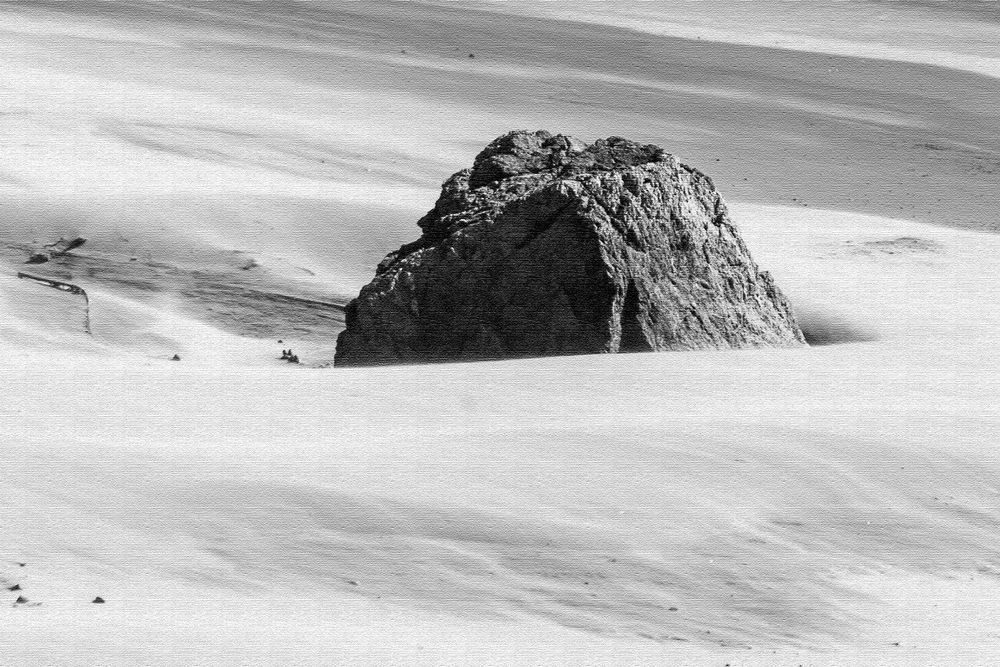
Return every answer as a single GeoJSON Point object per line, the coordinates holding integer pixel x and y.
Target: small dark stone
{"type": "Point", "coordinates": [98, 600]}
{"type": "Point", "coordinates": [20, 599]}
{"type": "Point", "coordinates": [352, 582]}
{"type": "Point", "coordinates": [472, 55]}
{"type": "Point", "coordinates": [15, 587]}
{"type": "Point", "coordinates": [176, 357]}
{"type": "Point", "coordinates": [672, 609]}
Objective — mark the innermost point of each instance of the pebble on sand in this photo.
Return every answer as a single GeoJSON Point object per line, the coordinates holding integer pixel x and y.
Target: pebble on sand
{"type": "Point", "coordinates": [98, 600]}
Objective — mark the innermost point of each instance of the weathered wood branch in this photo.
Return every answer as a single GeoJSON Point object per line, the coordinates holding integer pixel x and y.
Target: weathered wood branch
{"type": "Point", "coordinates": [65, 287]}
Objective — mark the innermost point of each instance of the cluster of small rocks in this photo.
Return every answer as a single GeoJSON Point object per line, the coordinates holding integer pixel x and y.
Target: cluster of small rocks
{"type": "Point", "coordinates": [24, 601]}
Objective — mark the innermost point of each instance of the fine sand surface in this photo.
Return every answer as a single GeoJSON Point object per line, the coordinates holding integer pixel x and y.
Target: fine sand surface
{"type": "Point", "coordinates": [239, 169]}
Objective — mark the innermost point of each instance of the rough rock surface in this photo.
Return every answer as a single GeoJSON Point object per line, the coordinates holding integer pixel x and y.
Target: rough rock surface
{"type": "Point", "coordinates": [550, 246]}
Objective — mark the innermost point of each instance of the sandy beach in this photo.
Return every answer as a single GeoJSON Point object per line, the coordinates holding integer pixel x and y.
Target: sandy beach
{"type": "Point", "coordinates": [240, 168]}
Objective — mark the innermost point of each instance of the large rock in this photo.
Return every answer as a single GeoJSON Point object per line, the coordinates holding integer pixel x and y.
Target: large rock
{"type": "Point", "coordinates": [549, 246]}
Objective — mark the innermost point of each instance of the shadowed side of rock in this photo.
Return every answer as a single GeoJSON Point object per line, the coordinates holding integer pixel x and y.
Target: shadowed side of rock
{"type": "Point", "coordinates": [549, 246]}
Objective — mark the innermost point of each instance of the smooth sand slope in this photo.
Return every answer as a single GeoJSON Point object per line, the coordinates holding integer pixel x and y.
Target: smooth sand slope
{"type": "Point", "coordinates": [831, 505]}
{"type": "Point", "coordinates": [959, 34]}
{"type": "Point", "coordinates": [823, 503]}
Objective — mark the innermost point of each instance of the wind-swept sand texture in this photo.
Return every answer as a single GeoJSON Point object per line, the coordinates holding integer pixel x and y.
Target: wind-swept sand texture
{"type": "Point", "coordinates": [230, 163]}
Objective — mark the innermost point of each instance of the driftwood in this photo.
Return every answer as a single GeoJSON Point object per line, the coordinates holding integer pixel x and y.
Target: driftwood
{"type": "Point", "coordinates": [65, 287]}
{"type": "Point", "coordinates": [57, 249]}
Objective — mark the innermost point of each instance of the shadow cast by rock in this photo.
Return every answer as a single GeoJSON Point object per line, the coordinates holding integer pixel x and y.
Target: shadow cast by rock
{"type": "Point", "coordinates": [827, 327]}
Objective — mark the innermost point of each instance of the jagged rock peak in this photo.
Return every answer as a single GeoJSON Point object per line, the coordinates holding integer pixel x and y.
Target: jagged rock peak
{"type": "Point", "coordinates": [522, 152]}
{"type": "Point", "coordinates": [552, 246]}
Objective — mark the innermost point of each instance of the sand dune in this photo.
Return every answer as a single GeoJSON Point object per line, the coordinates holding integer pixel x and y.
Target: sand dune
{"type": "Point", "coordinates": [960, 35]}
{"type": "Point", "coordinates": [689, 481]}
{"type": "Point", "coordinates": [239, 168]}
